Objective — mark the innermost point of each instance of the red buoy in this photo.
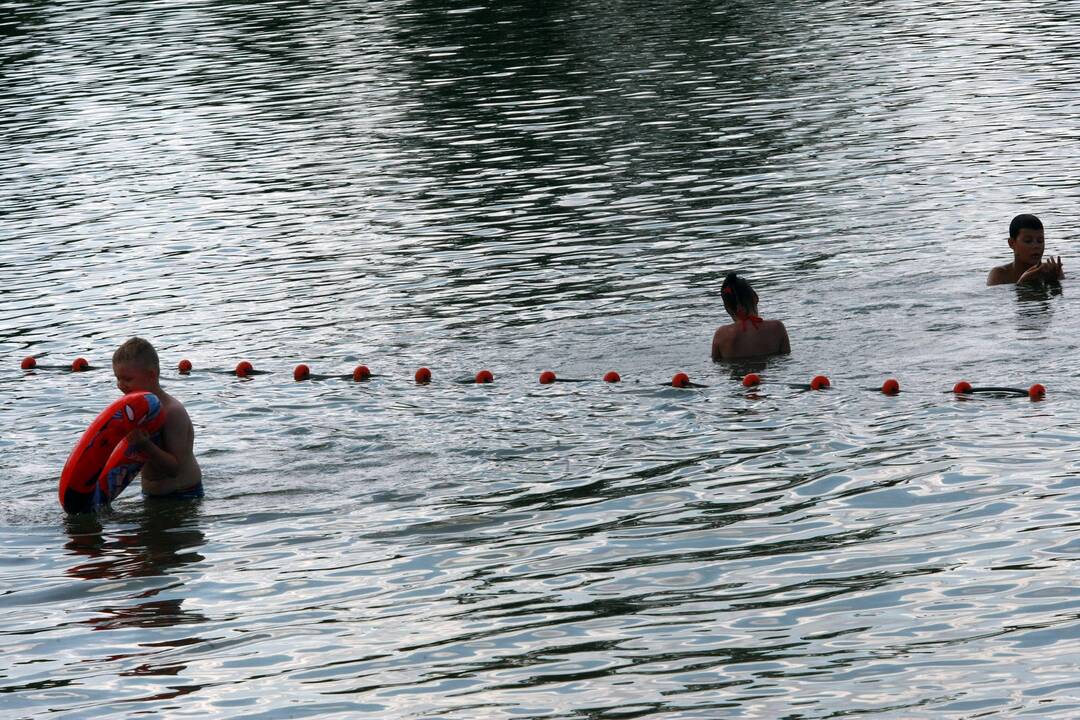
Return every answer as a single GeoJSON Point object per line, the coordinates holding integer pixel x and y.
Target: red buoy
{"type": "Point", "coordinates": [28, 363]}
{"type": "Point", "coordinates": [820, 382]}
{"type": "Point", "coordinates": [484, 376]}
{"type": "Point", "coordinates": [547, 377]}
{"type": "Point", "coordinates": [80, 365]}
{"type": "Point", "coordinates": [680, 380]}
{"type": "Point", "coordinates": [962, 388]}
{"type": "Point", "coordinates": [361, 373]}
{"type": "Point", "coordinates": [423, 375]}
{"type": "Point", "coordinates": [612, 377]}
{"type": "Point", "coordinates": [1037, 391]}
{"type": "Point", "coordinates": [184, 367]}
{"type": "Point", "coordinates": [890, 387]}
{"type": "Point", "coordinates": [244, 368]}
{"type": "Point", "coordinates": [301, 372]}
{"type": "Point", "coordinates": [751, 380]}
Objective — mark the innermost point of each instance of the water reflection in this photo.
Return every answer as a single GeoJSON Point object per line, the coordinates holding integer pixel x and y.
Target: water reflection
{"type": "Point", "coordinates": [738, 369]}
{"type": "Point", "coordinates": [163, 540]}
{"type": "Point", "coordinates": [1035, 307]}
{"type": "Point", "coordinates": [1036, 296]}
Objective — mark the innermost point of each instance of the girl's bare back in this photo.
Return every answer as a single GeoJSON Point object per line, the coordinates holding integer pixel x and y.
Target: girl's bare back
{"type": "Point", "coordinates": [769, 337]}
{"type": "Point", "coordinates": [748, 335]}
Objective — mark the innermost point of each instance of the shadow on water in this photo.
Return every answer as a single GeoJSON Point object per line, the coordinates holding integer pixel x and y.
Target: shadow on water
{"type": "Point", "coordinates": [569, 139]}
{"type": "Point", "coordinates": [164, 539]}
{"type": "Point", "coordinates": [554, 86]}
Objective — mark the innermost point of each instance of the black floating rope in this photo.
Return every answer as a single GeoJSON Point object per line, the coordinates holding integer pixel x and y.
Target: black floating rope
{"type": "Point", "coordinates": [1008, 391]}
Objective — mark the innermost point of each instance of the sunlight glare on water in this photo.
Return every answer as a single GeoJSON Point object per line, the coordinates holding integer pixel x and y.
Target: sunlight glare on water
{"type": "Point", "coordinates": [520, 187]}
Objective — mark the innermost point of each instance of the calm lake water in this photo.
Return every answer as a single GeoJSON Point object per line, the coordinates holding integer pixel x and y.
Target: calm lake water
{"type": "Point", "coordinates": [522, 186]}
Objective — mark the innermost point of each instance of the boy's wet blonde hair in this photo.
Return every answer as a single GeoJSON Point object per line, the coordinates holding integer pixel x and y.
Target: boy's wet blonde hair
{"type": "Point", "coordinates": [139, 352]}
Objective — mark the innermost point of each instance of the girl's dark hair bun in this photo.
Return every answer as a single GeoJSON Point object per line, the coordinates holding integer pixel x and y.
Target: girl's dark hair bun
{"type": "Point", "coordinates": [736, 292]}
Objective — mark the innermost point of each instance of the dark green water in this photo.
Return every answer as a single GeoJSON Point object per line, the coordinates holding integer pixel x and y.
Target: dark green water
{"type": "Point", "coordinates": [524, 186]}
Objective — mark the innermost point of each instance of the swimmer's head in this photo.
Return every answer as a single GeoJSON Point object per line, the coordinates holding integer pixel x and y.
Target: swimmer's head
{"type": "Point", "coordinates": [1027, 239]}
{"type": "Point", "coordinates": [740, 300]}
{"type": "Point", "coordinates": [135, 365]}
{"type": "Point", "coordinates": [1024, 222]}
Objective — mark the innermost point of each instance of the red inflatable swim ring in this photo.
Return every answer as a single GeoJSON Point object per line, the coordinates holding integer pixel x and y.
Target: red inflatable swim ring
{"type": "Point", "coordinates": [102, 464]}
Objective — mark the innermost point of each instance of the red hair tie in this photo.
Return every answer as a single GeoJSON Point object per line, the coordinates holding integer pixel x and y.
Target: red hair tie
{"type": "Point", "coordinates": [753, 320]}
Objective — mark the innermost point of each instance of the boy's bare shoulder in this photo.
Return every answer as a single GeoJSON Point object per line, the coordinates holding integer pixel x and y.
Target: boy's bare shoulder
{"type": "Point", "coordinates": [175, 412]}
{"type": "Point", "coordinates": [1000, 275]}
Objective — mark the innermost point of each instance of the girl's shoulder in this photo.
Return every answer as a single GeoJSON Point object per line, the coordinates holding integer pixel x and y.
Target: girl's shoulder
{"type": "Point", "coordinates": [725, 330]}
{"type": "Point", "coordinates": [722, 341]}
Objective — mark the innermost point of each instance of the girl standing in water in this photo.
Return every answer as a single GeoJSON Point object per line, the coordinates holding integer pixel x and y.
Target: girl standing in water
{"type": "Point", "coordinates": [748, 335]}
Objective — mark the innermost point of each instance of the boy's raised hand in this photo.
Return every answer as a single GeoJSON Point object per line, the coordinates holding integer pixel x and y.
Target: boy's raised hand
{"type": "Point", "coordinates": [1053, 269]}
{"type": "Point", "coordinates": [1049, 270]}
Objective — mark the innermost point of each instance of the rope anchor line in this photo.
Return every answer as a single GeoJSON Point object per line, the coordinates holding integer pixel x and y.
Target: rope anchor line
{"type": "Point", "coordinates": [423, 376]}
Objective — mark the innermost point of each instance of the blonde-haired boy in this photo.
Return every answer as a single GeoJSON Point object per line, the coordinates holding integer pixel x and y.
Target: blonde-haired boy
{"type": "Point", "coordinates": [170, 469]}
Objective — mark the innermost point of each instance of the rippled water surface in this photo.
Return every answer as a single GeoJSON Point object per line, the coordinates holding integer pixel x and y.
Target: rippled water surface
{"type": "Point", "coordinates": [522, 186]}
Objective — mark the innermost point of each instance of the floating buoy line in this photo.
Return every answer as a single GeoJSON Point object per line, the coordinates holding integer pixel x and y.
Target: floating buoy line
{"type": "Point", "coordinates": [423, 376]}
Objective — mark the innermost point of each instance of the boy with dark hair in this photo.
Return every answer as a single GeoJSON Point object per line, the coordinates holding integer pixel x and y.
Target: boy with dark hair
{"type": "Point", "coordinates": [170, 470]}
{"type": "Point", "coordinates": [1027, 241]}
